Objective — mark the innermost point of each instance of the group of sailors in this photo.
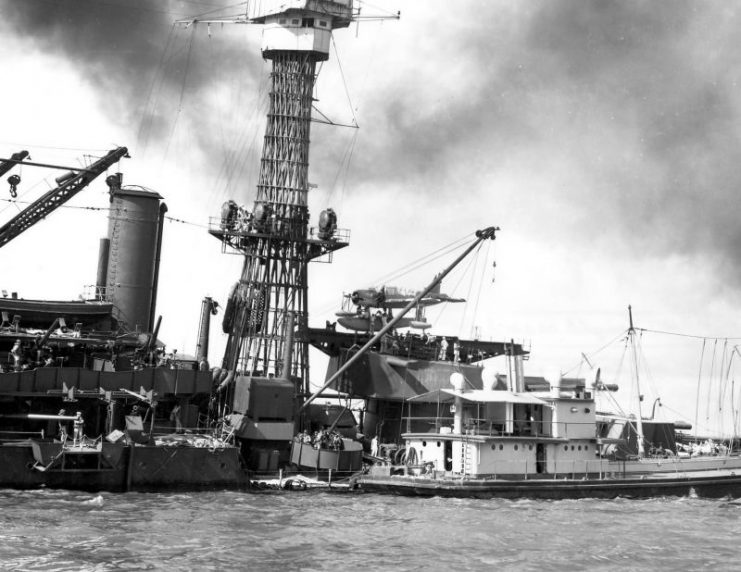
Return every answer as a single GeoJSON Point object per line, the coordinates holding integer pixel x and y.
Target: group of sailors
{"type": "Point", "coordinates": [429, 347]}
{"type": "Point", "coordinates": [22, 358]}
{"type": "Point", "coordinates": [322, 439]}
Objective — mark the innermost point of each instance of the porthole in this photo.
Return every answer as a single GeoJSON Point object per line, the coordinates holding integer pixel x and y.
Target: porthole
{"type": "Point", "coordinates": [515, 447]}
{"type": "Point", "coordinates": [493, 447]}
{"type": "Point", "coordinates": [438, 443]}
{"type": "Point", "coordinates": [424, 443]}
{"type": "Point", "coordinates": [572, 447]}
{"type": "Point", "coordinates": [586, 447]}
{"type": "Point", "coordinates": [501, 446]}
{"type": "Point", "coordinates": [579, 448]}
{"type": "Point", "coordinates": [530, 447]}
{"type": "Point", "coordinates": [565, 447]}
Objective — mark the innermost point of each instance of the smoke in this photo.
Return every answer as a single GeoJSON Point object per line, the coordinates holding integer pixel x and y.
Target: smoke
{"type": "Point", "coordinates": [145, 68]}
{"type": "Point", "coordinates": [622, 113]}
{"type": "Point", "coordinates": [626, 110]}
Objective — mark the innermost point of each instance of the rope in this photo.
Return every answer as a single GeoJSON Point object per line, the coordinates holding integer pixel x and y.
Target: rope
{"type": "Point", "coordinates": [688, 335]}
{"type": "Point", "coordinates": [481, 284]}
{"type": "Point", "coordinates": [592, 355]}
{"type": "Point", "coordinates": [182, 94]}
{"type": "Point", "coordinates": [699, 381]}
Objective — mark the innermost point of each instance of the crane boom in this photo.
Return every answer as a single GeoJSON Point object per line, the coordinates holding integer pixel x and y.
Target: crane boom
{"type": "Point", "coordinates": [16, 158]}
{"type": "Point", "coordinates": [56, 197]}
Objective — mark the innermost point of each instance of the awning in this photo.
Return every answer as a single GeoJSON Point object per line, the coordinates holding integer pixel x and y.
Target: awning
{"type": "Point", "coordinates": [479, 396]}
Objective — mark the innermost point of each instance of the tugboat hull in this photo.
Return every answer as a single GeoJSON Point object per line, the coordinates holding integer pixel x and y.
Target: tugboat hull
{"type": "Point", "coordinates": [716, 485]}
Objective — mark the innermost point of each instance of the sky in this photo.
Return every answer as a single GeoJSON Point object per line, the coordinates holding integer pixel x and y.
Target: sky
{"type": "Point", "coordinates": [601, 137]}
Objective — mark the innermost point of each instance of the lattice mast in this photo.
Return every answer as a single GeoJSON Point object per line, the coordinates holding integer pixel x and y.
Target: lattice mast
{"type": "Point", "coordinates": [276, 239]}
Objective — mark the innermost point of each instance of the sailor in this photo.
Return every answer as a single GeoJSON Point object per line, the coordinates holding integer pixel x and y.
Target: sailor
{"type": "Point", "coordinates": [336, 441]}
{"type": "Point", "coordinates": [175, 416]}
{"type": "Point", "coordinates": [62, 426]}
{"type": "Point", "coordinates": [77, 434]}
{"type": "Point", "coordinates": [17, 354]}
{"type": "Point", "coordinates": [456, 351]}
{"type": "Point", "coordinates": [374, 446]}
{"type": "Point", "coordinates": [443, 350]}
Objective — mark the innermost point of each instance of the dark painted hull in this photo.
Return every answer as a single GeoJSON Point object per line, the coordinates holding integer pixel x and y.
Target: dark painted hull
{"type": "Point", "coordinates": [32, 465]}
{"type": "Point", "coordinates": [306, 457]}
{"type": "Point", "coordinates": [713, 486]}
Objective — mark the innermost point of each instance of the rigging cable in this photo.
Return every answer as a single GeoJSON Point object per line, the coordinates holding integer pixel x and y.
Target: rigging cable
{"type": "Point", "coordinates": [182, 94]}
{"type": "Point", "coordinates": [145, 121]}
{"type": "Point", "coordinates": [426, 259]}
{"type": "Point", "coordinates": [710, 388]}
{"type": "Point", "coordinates": [699, 381]}
{"type": "Point", "coordinates": [592, 355]}
{"type": "Point", "coordinates": [481, 284]}
{"type": "Point", "coordinates": [472, 261]}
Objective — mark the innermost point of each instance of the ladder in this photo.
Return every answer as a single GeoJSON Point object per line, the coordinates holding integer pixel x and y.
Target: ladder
{"type": "Point", "coordinates": [466, 460]}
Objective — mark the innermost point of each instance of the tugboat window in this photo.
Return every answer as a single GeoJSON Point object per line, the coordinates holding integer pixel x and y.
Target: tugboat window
{"type": "Point", "coordinates": [565, 447]}
{"type": "Point", "coordinates": [438, 443]}
{"type": "Point", "coordinates": [501, 447]}
{"type": "Point", "coordinates": [515, 447]}
{"type": "Point", "coordinates": [424, 443]}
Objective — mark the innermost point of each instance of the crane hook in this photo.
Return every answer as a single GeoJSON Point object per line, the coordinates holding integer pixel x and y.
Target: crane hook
{"type": "Point", "coordinates": [14, 181]}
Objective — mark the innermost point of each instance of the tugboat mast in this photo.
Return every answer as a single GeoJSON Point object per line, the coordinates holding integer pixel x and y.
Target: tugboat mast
{"type": "Point", "coordinates": [639, 420]}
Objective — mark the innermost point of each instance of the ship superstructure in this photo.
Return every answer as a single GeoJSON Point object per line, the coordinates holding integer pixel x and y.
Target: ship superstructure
{"type": "Point", "coordinates": [275, 238]}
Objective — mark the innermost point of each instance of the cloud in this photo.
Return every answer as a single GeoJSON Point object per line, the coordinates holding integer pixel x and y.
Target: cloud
{"type": "Point", "coordinates": [622, 115]}
{"type": "Point", "coordinates": [628, 110]}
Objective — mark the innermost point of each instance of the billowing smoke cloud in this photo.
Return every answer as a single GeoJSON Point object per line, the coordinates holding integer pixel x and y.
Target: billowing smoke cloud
{"type": "Point", "coordinates": [629, 107]}
{"type": "Point", "coordinates": [142, 65]}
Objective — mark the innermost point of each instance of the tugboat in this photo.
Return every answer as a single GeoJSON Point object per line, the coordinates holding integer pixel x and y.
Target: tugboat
{"type": "Point", "coordinates": [516, 443]}
{"type": "Point", "coordinates": [516, 436]}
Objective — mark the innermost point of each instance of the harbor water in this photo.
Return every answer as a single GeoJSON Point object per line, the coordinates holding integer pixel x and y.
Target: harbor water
{"type": "Point", "coordinates": [63, 530]}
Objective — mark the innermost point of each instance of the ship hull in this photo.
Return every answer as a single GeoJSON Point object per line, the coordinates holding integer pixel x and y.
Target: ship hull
{"type": "Point", "coordinates": [117, 468]}
{"type": "Point", "coordinates": [716, 485]}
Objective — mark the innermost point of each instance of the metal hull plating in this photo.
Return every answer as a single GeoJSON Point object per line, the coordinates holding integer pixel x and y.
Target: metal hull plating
{"type": "Point", "coordinates": [715, 485]}
{"type": "Point", "coordinates": [37, 464]}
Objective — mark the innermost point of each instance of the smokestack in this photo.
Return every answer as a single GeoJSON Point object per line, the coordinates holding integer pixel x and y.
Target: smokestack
{"type": "Point", "coordinates": [100, 281]}
{"type": "Point", "coordinates": [134, 229]}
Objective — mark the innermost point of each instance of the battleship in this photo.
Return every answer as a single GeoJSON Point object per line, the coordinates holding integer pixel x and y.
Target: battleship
{"type": "Point", "coordinates": [91, 399]}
